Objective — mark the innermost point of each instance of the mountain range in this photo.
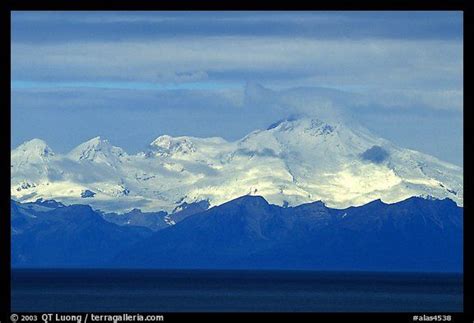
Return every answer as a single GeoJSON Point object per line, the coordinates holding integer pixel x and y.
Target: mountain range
{"type": "Point", "coordinates": [292, 162]}
{"type": "Point", "coordinates": [416, 234]}
{"type": "Point", "coordinates": [300, 194]}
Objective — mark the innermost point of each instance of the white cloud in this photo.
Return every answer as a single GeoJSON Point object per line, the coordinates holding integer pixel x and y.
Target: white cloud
{"type": "Point", "coordinates": [408, 67]}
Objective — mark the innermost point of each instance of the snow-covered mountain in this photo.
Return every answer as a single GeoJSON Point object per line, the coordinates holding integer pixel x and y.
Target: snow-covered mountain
{"type": "Point", "coordinates": [292, 162]}
{"type": "Point", "coordinates": [97, 150]}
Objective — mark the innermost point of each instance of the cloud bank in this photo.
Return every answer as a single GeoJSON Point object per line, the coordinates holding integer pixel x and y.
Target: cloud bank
{"type": "Point", "coordinates": [199, 73]}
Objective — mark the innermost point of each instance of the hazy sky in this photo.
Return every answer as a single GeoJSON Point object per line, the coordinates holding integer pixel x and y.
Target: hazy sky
{"type": "Point", "coordinates": [132, 76]}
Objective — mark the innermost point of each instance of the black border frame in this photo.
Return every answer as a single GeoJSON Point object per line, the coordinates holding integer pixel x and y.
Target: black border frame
{"type": "Point", "coordinates": [120, 5]}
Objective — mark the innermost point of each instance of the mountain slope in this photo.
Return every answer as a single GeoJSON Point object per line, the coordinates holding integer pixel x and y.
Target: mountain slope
{"type": "Point", "coordinates": [294, 161]}
{"type": "Point", "coordinates": [413, 235]}
{"type": "Point", "coordinates": [156, 220]}
{"type": "Point", "coordinates": [48, 234]}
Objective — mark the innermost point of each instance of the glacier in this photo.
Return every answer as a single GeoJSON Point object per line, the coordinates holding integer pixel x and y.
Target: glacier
{"type": "Point", "coordinates": [292, 162]}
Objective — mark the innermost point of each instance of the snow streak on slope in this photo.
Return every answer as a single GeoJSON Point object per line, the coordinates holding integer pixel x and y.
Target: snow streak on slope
{"type": "Point", "coordinates": [292, 162]}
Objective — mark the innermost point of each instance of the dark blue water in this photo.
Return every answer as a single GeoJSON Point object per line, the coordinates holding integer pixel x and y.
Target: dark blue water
{"type": "Point", "coordinates": [191, 291]}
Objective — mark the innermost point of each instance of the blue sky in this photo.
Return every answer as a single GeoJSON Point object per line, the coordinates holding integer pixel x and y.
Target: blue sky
{"type": "Point", "coordinates": [132, 76]}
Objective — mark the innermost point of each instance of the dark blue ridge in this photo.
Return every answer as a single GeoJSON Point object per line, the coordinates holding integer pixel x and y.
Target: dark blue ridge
{"type": "Point", "coordinates": [416, 235]}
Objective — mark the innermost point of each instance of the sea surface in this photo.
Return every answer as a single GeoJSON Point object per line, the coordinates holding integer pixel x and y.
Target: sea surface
{"type": "Point", "coordinates": [233, 291]}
